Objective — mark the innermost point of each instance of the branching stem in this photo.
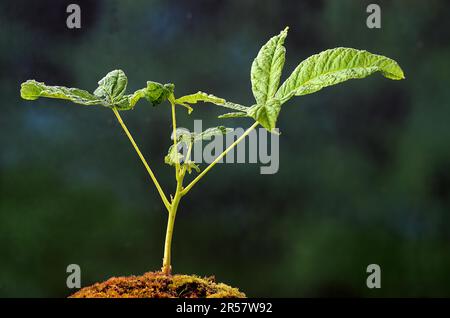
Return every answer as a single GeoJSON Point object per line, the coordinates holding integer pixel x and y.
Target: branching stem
{"type": "Point", "coordinates": [147, 167]}
{"type": "Point", "coordinates": [219, 157]}
{"type": "Point", "coordinates": [172, 206]}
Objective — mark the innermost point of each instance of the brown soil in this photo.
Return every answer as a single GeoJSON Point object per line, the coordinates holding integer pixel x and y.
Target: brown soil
{"type": "Point", "coordinates": [158, 285]}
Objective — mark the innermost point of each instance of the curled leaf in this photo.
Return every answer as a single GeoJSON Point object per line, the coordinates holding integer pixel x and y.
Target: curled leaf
{"type": "Point", "coordinates": [110, 92]}
{"type": "Point", "coordinates": [199, 97]}
{"type": "Point", "coordinates": [191, 165]}
{"type": "Point", "coordinates": [204, 97]}
{"type": "Point", "coordinates": [32, 90]}
{"type": "Point", "coordinates": [112, 86]}
{"type": "Point", "coordinates": [156, 93]}
{"type": "Point", "coordinates": [173, 156]}
{"type": "Point", "coordinates": [187, 139]}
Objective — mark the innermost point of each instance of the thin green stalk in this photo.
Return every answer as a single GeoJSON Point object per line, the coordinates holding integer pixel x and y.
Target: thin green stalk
{"type": "Point", "coordinates": [179, 175]}
{"type": "Point", "coordinates": [150, 172]}
{"type": "Point", "coordinates": [174, 133]}
{"type": "Point", "coordinates": [223, 154]}
{"type": "Point", "coordinates": [167, 260]}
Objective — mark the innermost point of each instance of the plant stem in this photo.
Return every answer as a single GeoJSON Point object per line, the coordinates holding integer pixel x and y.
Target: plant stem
{"type": "Point", "coordinates": [167, 266]}
{"type": "Point", "coordinates": [179, 175]}
{"type": "Point", "coordinates": [150, 172]}
{"type": "Point", "coordinates": [223, 154]}
{"type": "Point", "coordinates": [174, 133]}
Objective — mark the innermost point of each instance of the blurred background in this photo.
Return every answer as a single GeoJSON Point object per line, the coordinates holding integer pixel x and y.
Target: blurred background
{"type": "Point", "coordinates": [364, 166]}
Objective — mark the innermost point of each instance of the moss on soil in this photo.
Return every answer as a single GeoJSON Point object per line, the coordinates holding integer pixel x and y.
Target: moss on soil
{"type": "Point", "coordinates": [158, 285]}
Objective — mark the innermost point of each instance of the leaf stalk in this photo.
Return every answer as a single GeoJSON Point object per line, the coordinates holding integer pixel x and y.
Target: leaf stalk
{"type": "Point", "coordinates": [147, 167]}
{"type": "Point", "coordinates": [219, 157]}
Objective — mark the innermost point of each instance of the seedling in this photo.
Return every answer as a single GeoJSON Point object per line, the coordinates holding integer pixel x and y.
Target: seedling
{"type": "Point", "coordinates": [327, 68]}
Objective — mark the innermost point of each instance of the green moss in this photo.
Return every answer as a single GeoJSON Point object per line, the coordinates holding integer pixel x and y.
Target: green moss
{"type": "Point", "coordinates": [158, 285]}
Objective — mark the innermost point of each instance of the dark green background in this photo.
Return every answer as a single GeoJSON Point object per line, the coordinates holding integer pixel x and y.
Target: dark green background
{"type": "Point", "coordinates": [365, 166]}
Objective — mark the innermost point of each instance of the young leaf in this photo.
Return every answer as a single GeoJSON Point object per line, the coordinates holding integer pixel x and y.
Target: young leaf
{"type": "Point", "coordinates": [188, 138]}
{"type": "Point", "coordinates": [32, 90]}
{"type": "Point", "coordinates": [173, 156]}
{"type": "Point", "coordinates": [266, 114]}
{"type": "Point", "coordinates": [334, 66]}
{"type": "Point", "coordinates": [112, 86]}
{"type": "Point", "coordinates": [157, 93]}
{"type": "Point", "coordinates": [184, 136]}
{"type": "Point", "coordinates": [266, 68]}
{"type": "Point", "coordinates": [191, 165]}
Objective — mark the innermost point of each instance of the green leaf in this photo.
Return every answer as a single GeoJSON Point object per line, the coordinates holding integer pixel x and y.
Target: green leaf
{"type": "Point", "coordinates": [210, 132]}
{"type": "Point", "coordinates": [191, 165]}
{"type": "Point", "coordinates": [234, 106]}
{"type": "Point", "coordinates": [334, 66]}
{"type": "Point", "coordinates": [32, 90]}
{"type": "Point", "coordinates": [157, 93]}
{"type": "Point", "coordinates": [266, 114]}
{"type": "Point", "coordinates": [204, 97]}
{"type": "Point", "coordinates": [127, 102]}
{"type": "Point", "coordinates": [186, 138]}
{"type": "Point", "coordinates": [112, 86]}
{"type": "Point", "coordinates": [136, 96]}
{"type": "Point", "coordinates": [267, 67]}
{"type": "Point", "coordinates": [199, 97]}
{"type": "Point", "coordinates": [109, 93]}
{"type": "Point", "coordinates": [173, 156]}
{"type": "Point", "coordinates": [234, 115]}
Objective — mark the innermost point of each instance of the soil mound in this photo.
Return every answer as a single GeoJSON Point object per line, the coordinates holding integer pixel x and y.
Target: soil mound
{"type": "Point", "coordinates": [158, 285]}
